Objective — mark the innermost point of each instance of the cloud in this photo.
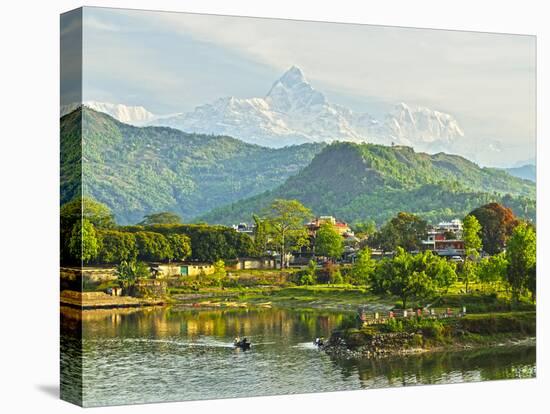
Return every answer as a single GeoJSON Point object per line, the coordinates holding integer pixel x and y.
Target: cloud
{"type": "Point", "coordinates": [487, 81]}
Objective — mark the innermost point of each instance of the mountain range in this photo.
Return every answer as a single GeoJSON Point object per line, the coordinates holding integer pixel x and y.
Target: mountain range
{"type": "Point", "coordinates": [293, 112]}
{"type": "Point", "coordinates": [139, 170]}
{"type": "Point", "coordinates": [220, 179]}
{"type": "Point", "coordinates": [527, 172]}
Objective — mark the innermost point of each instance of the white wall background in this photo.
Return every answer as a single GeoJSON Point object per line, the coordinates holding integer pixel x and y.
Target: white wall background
{"type": "Point", "coordinates": [29, 158]}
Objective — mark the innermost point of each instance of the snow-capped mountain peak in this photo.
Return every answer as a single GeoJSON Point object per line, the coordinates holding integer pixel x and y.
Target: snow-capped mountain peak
{"type": "Point", "coordinates": [135, 115]}
{"type": "Point", "coordinates": [294, 112]}
{"type": "Point", "coordinates": [292, 92]}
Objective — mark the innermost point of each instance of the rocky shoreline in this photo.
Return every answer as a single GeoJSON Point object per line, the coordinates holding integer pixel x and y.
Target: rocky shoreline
{"type": "Point", "coordinates": [466, 333]}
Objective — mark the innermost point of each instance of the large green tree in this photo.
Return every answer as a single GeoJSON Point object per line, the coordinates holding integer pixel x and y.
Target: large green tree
{"type": "Point", "coordinates": [472, 245]}
{"type": "Point", "coordinates": [286, 219]}
{"type": "Point", "coordinates": [328, 242]}
{"type": "Point", "coordinates": [180, 246]}
{"type": "Point", "coordinates": [84, 244]}
{"type": "Point", "coordinates": [117, 246]}
{"type": "Point", "coordinates": [152, 246]}
{"type": "Point", "coordinates": [364, 267]}
{"type": "Point", "coordinates": [412, 276]}
{"type": "Point", "coordinates": [497, 223]}
{"type": "Point", "coordinates": [73, 215]}
{"type": "Point", "coordinates": [521, 254]}
{"type": "Point", "coordinates": [493, 269]}
{"type": "Point", "coordinates": [404, 230]}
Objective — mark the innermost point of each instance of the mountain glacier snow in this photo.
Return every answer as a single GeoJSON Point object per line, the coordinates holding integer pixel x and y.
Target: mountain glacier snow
{"type": "Point", "coordinates": [293, 112]}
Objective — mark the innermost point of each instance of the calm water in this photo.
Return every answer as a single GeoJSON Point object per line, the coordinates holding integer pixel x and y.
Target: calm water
{"type": "Point", "coordinates": [136, 356]}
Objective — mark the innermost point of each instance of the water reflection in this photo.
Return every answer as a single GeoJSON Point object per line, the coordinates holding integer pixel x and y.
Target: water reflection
{"type": "Point", "coordinates": [167, 354]}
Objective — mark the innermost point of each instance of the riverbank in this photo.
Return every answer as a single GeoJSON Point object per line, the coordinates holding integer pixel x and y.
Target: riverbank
{"type": "Point", "coordinates": [419, 335]}
{"type": "Point", "coordinates": [328, 297]}
{"type": "Point", "coordinates": [100, 300]}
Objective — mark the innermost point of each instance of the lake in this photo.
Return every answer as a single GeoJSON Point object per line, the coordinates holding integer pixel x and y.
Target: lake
{"type": "Point", "coordinates": [170, 354]}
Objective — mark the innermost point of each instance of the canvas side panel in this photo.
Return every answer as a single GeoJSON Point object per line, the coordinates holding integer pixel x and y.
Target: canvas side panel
{"type": "Point", "coordinates": [71, 206]}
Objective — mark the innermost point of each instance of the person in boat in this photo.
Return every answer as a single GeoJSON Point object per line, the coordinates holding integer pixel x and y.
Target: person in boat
{"type": "Point", "coordinates": [318, 341]}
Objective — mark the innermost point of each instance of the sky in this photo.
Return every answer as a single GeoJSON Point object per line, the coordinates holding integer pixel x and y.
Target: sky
{"type": "Point", "coordinates": [173, 62]}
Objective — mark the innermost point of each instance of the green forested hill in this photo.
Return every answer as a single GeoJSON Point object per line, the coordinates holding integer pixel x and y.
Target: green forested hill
{"type": "Point", "coordinates": [218, 179]}
{"type": "Point", "coordinates": [357, 182]}
{"type": "Point", "coordinates": [136, 171]}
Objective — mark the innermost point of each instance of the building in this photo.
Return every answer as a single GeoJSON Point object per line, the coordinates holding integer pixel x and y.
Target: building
{"type": "Point", "coordinates": [340, 226]}
{"type": "Point", "coordinates": [445, 239]}
{"type": "Point", "coordinates": [244, 228]}
{"type": "Point", "coordinates": [453, 226]}
{"type": "Point", "coordinates": [250, 263]}
{"type": "Point", "coordinates": [177, 269]}
{"type": "Point", "coordinates": [451, 247]}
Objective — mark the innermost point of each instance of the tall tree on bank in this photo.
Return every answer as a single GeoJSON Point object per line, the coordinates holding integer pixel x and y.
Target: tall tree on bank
{"type": "Point", "coordinates": [497, 223]}
{"type": "Point", "coordinates": [472, 246]}
{"type": "Point", "coordinates": [521, 253]}
{"type": "Point", "coordinates": [84, 243]}
{"type": "Point", "coordinates": [286, 219]}
{"type": "Point", "coordinates": [75, 214]}
{"type": "Point", "coordinates": [364, 267]}
{"type": "Point", "coordinates": [328, 242]}
{"type": "Point", "coordinates": [260, 235]}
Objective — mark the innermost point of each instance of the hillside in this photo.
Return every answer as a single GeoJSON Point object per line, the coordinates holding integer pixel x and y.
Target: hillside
{"type": "Point", "coordinates": [357, 182]}
{"type": "Point", "coordinates": [136, 171]}
{"type": "Point", "coordinates": [527, 172]}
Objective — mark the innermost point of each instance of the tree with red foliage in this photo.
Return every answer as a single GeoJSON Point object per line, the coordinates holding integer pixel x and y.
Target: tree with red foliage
{"type": "Point", "coordinates": [497, 223]}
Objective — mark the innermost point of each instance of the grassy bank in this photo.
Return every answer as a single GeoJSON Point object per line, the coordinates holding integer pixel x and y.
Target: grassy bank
{"type": "Point", "coordinates": [398, 336]}
{"type": "Point", "coordinates": [341, 297]}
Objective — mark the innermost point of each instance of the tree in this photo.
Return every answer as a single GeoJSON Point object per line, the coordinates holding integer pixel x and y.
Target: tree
{"type": "Point", "coordinates": [117, 246]}
{"type": "Point", "coordinates": [412, 276]}
{"type": "Point", "coordinates": [286, 220]}
{"type": "Point", "coordinates": [309, 275]}
{"type": "Point", "coordinates": [493, 269]}
{"type": "Point", "coordinates": [497, 223]}
{"type": "Point", "coordinates": [328, 242]}
{"type": "Point", "coordinates": [365, 229]}
{"type": "Point", "coordinates": [180, 246]}
{"type": "Point", "coordinates": [405, 230]}
{"type": "Point", "coordinates": [472, 245]}
{"type": "Point", "coordinates": [73, 214]}
{"type": "Point", "coordinates": [165, 217]}
{"type": "Point", "coordinates": [152, 246]}
{"type": "Point", "coordinates": [521, 254]}
{"type": "Point", "coordinates": [399, 276]}
{"type": "Point", "coordinates": [129, 272]}
{"type": "Point", "coordinates": [84, 244]}
{"type": "Point", "coordinates": [438, 269]}
{"type": "Point", "coordinates": [87, 208]}
{"type": "Point", "coordinates": [364, 267]}
{"type": "Point", "coordinates": [260, 235]}
{"type": "Point", "coordinates": [219, 268]}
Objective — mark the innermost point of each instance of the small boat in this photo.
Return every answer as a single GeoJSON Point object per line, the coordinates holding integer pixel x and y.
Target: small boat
{"type": "Point", "coordinates": [241, 343]}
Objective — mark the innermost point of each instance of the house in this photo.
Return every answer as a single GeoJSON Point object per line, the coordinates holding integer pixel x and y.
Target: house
{"type": "Point", "coordinates": [453, 226]}
{"type": "Point", "coordinates": [437, 239]}
{"type": "Point", "coordinates": [249, 263]}
{"type": "Point", "coordinates": [177, 269]}
{"type": "Point", "coordinates": [451, 247]}
{"type": "Point", "coordinates": [244, 228]}
{"type": "Point", "coordinates": [341, 227]}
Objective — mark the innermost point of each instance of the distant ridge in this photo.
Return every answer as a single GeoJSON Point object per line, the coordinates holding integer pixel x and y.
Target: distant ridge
{"type": "Point", "coordinates": [357, 182]}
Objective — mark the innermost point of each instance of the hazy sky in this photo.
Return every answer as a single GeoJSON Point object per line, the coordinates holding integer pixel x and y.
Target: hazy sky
{"type": "Point", "coordinates": [172, 62]}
